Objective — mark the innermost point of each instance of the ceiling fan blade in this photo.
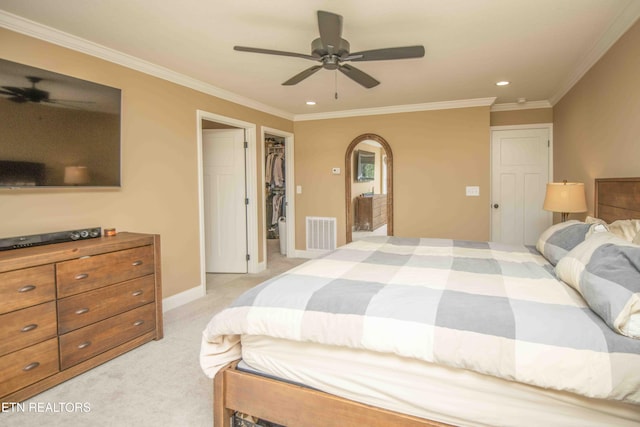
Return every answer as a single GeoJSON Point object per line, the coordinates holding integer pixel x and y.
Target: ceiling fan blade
{"type": "Point", "coordinates": [405, 52]}
{"type": "Point", "coordinates": [358, 76]}
{"type": "Point", "coordinates": [6, 92]}
{"type": "Point", "coordinates": [301, 76]}
{"type": "Point", "coordinates": [274, 52]}
{"type": "Point", "coordinates": [15, 90]}
{"type": "Point", "coordinates": [330, 27]}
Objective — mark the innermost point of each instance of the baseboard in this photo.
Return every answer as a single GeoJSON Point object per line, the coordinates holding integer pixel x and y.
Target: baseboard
{"type": "Point", "coordinates": [182, 298]}
{"type": "Point", "coordinates": [309, 253]}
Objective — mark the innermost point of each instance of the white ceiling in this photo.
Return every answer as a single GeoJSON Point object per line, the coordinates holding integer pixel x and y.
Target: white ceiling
{"type": "Point", "coordinates": [541, 46]}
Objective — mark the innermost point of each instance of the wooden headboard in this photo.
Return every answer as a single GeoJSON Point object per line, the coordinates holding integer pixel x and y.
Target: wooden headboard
{"type": "Point", "coordinates": [617, 198]}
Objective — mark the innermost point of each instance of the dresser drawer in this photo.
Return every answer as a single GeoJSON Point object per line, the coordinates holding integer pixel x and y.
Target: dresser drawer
{"type": "Point", "coordinates": [27, 366]}
{"type": "Point", "coordinates": [83, 344]}
{"type": "Point", "coordinates": [88, 273]}
{"type": "Point", "coordinates": [26, 287]}
{"type": "Point", "coordinates": [80, 310]}
{"type": "Point", "coordinates": [22, 328]}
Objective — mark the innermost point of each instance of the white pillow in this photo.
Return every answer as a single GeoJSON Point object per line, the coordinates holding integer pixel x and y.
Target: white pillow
{"type": "Point", "coordinates": [627, 229]}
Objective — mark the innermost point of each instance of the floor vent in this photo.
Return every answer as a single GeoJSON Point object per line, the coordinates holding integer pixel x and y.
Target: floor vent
{"type": "Point", "coordinates": [321, 233]}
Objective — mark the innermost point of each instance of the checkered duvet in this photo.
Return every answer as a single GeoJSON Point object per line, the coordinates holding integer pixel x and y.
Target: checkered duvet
{"type": "Point", "coordinates": [490, 308]}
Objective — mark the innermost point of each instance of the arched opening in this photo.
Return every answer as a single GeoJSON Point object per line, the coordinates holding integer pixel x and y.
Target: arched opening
{"type": "Point", "coordinates": [387, 184]}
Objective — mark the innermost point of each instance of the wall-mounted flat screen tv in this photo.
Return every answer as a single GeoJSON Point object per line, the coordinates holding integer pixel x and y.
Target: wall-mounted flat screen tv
{"type": "Point", "coordinates": [365, 165]}
{"type": "Point", "coordinates": [57, 130]}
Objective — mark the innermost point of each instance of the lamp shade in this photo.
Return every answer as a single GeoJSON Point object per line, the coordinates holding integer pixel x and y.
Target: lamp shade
{"type": "Point", "coordinates": [565, 197]}
{"type": "Point", "coordinates": [74, 175]}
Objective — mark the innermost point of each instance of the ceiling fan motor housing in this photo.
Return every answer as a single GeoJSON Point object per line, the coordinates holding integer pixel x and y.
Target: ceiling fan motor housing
{"type": "Point", "coordinates": [330, 54]}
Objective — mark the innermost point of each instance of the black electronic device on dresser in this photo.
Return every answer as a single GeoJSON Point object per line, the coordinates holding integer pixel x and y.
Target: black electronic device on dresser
{"type": "Point", "coordinates": [49, 238]}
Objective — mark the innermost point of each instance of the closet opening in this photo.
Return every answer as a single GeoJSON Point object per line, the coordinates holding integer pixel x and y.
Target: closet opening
{"type": "Point", "coordinates": [275, 194]}
{"type": "Point", "coordinates": [278, 201]}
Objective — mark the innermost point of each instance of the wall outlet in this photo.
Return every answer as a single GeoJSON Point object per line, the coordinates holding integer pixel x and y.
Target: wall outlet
{"type": "Point", "coordinates": [473, 191]}
{"type": "Point", "coordinates": [335, 171]}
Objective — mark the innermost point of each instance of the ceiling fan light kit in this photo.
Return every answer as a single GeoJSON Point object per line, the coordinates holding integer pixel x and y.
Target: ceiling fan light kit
{"type": "Point", "coordinates": [332, 51]}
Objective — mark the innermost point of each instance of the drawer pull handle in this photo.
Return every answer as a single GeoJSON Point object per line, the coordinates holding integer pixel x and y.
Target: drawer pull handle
{"type": "Point", "coordinates": [81, 276]}
{"type": "Point", "coordinates": [26, 288]}
{"type": "Point", "coordinates": [28, 328]}
{"type": "Point", "coordinates": [84, 345]}
{"type": "Point", "coordinates": [137, 263]}
{"type": "Point", "coordinates": [138, 323]}
{"type": "Point", "coordinates": [30, 366]}
{"type": "Point", "coordinates": [82, 311]}
{"type": "Point", "coordinates": [137, 293]}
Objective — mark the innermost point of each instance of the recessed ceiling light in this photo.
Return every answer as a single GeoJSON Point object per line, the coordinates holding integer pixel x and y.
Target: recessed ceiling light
{"type": "Point", "coordinates": [311, 102]}
{"type": "Point", "coordinates": [502, 83]}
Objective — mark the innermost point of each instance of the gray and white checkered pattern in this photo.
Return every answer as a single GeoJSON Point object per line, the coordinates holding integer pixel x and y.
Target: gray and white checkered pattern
{"type": "Point", "coordinates": [605, 269]}
{"type": "Point", "coordinates": [488, 307]}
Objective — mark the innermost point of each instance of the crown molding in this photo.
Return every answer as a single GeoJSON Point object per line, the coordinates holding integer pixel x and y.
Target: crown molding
{"type": "Point", "coordinates": [51, 35]}
{"type": "Point", "coordinates": [529, 105]}
{"type": "Point", "coordinates": [620, 25]}
{"type": "Point", "coordinates": [409, 108]}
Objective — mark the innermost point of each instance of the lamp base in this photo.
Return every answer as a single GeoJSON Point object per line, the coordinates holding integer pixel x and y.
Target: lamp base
{"type": "Point", "coordinates": [564, 216]}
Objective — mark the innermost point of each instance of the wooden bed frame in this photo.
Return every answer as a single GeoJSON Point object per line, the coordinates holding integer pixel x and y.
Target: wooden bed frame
{"type": "Point", "coordinates": [296, 406]}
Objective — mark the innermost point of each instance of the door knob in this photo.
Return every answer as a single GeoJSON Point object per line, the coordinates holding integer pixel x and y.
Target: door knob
{"type": "Point", "coordinates": [496, 206]}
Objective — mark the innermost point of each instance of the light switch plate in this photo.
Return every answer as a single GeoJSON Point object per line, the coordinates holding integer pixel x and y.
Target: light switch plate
{"type": "Point", "coordinates": [335, 171]}
{"type": "Point", "coordinates": [473, 191]}
{"type": "Point", "coordinates": [298, 189]}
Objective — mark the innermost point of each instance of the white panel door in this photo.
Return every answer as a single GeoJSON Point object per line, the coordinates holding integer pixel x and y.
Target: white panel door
{"type": "Point", "coordinates": [520, 172]}
{"type": "Point", "coordinates": [225, 209]}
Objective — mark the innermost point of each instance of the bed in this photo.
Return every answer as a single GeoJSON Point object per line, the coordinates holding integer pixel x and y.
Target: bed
{"type": "Point", "coordinates": [524, 348]}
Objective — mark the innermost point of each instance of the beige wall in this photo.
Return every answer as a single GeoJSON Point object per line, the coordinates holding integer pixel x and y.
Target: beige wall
{"type": "Point", "coordinates": [522, 117]}
{"type": "Point", "coordinates": [597, 123]}
{"type": "Point", "coordinates": [159, 162]}
{"type": "Point", "coordinates": [435, 155]}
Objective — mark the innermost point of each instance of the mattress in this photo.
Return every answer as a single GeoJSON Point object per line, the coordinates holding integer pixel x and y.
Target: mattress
{"type": "Point", "coordinates": [455, 396]}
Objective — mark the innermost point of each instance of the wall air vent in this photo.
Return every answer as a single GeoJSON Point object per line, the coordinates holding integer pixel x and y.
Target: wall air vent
{"type": "Point", "coordinates": [321, 233]}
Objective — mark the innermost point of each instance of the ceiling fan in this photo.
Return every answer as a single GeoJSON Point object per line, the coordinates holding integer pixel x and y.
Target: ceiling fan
{"type": "Point", "coordinates": [26, 94]}
{"type": "Point", "coordinates": [33, 94]}
{"type": "Point", "coordinates": [332, 51]}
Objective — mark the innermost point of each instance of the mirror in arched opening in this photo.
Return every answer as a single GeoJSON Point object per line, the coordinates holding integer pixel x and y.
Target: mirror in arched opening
{"type": "Point", "coordinates": [368, 187]}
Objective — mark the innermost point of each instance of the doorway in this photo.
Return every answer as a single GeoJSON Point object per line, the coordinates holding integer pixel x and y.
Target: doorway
{"type": "Point", "coordinates": [279, 197]}
{"type": "Point", "coordinates": [521, 166]}
{"type": "Point", "coordinates": [250, 189]}
{"type": "Point", "coordinates": [368, 195]}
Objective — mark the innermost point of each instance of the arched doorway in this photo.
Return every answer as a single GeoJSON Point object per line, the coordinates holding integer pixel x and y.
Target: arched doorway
{"type": "Point", "coordinates": [348, 163]}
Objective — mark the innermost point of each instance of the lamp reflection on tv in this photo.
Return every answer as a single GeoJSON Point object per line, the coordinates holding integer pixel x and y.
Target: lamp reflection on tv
{"type": "Point", "coordinates": [76, 175]}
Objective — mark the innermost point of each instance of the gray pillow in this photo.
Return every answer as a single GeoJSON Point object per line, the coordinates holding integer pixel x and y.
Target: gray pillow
{"type": "Point", "coordinates": [557, 240]}
{"type": "Point", "coordinates": [605, 269]}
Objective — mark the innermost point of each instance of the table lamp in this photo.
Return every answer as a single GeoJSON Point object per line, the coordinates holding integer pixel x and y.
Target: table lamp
{"type": "Point", "coordinates": [565, 197]}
